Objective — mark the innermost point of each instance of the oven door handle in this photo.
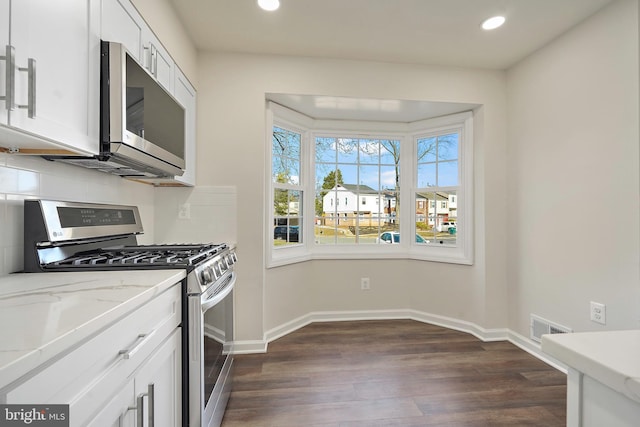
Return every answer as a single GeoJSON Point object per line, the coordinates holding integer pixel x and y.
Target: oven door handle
{"type": "Point", "coordinates": [206, 304]}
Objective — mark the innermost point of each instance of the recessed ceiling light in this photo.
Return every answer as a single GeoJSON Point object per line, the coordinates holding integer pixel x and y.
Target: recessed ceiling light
{"type": "Point", "coordinates": [493, 23]}
{"type": "Point", "coordinates": [269, 5]}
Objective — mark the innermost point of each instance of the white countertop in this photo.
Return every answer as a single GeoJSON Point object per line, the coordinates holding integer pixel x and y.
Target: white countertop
{"type": "Point", "coordinates": [44, 314]}
{"type": "Point", "coordinates": [611, 357]}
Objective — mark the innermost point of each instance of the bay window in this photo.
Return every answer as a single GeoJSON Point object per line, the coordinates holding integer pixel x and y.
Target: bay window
{"type": "Point", "coordinates": [338, 191]}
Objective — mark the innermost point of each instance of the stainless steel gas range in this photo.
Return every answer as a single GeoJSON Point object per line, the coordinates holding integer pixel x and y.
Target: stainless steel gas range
{"type": "Point", "coordinates": [71, 236]}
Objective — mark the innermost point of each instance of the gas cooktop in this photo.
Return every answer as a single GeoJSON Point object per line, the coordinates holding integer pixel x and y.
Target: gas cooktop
{"type": "Point", "coordinates": [152, 256]}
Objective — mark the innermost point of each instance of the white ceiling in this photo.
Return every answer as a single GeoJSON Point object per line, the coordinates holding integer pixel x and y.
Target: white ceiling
{"type": "Point", "coordinates": [437, 32]}
{"type": "Point", "coordinates": [443, 32]}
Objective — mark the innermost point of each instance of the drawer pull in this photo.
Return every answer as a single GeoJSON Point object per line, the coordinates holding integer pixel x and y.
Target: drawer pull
{"type": "Point", "coordinates": [140, 340]}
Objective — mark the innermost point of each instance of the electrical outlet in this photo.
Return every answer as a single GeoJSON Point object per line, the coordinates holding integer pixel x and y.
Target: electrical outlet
{"type": "Point", "coordinates": [365, 284]}
{"type": "Point", "coordinates": [184, 211]}
{"type": "Point", "coordinates": [598, 313]}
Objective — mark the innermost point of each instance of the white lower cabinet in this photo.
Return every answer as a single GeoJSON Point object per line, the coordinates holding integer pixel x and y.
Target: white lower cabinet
{"type": "Point", "coordinates": [124, 376]}
{"type": "Point", "coordinates": [152, 397]}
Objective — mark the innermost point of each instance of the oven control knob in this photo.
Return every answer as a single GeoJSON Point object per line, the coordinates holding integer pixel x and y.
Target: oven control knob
{"type": "Point", "coordinates": [207, 276]}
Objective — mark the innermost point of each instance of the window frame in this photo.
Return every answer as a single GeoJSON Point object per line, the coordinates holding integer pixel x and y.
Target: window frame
{"type": "Point", "coordinates": [294, 122]}
{"type": "Point", "coordinates": [462, 252]}
{"type": "Point", "coordinates": [407, 134]}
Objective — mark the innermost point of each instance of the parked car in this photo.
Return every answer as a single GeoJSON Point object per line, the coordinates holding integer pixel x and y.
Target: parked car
{"type": "Point", "coordinates": [393, 237]}
{"type": "Point", "coordinates": [445, 226]}
{"type": "Point", "coordinates": [280, 232]}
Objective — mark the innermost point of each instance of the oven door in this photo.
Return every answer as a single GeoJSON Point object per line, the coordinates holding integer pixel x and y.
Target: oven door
{"type": "Point", "coordinates": [210, 353]}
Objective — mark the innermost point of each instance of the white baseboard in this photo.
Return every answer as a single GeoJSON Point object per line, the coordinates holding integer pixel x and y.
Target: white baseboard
{"type": "Point", "coordinates": [534, 349]}
{"type": "Point", "coordinates": [497, 334]}
{"type": "Point", "coordinates": [249, 347]}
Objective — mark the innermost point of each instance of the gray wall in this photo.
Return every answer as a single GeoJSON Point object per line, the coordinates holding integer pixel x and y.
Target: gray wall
{"type": "Point", "coordinates": [573, 176]}
{"type": "Point", "coordinates": [232, 149]}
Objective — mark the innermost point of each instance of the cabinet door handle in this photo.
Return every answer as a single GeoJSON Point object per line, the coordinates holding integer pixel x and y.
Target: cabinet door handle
{"type": "Point", "coordinates": [10, 77]}
{"type": "Point", "coordinates": [141, 340]}
{"type": "Point", "coordinates": [147, 58]}
{"type": "Point", "coordinates": [31, 91]}
{"type": "Point", "coordinates": [154, 61]}
{"type": "Point", "coordinates": [152, 404]}
{"type": "Point", "coordinates": [151, 398]}
{"type": "Point", "coordinates": [140, 409]}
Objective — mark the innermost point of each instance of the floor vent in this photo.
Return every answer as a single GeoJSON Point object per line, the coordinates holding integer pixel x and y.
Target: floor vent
{"type": "Point", "coordinates": [540, 326]}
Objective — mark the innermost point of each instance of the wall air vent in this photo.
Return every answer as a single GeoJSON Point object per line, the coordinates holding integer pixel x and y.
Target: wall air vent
{"type": "Point", "coordinates": [540, 326]}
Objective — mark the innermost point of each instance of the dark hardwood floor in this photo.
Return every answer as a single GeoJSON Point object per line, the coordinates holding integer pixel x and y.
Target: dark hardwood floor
{"type": "Point", "coordinates": [393, 373]}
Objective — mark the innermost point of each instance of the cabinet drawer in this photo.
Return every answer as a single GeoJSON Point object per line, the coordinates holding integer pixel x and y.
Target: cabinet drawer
{"type": "Point", "coordinates": [97, 368]}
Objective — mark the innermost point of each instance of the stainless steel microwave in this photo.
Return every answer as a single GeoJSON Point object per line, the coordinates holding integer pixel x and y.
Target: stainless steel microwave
{"type": "Point", "coordinates": [142, 127]}
{"type": "Point", "coordinates": [139, 118]}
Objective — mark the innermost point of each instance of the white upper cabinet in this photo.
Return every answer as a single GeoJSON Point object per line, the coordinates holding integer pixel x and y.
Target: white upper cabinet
{"type": "Point", "coordinates": [186, 96]}
{"type": "Point", "coordinates": [157, 60]}
{"type": "Point", "coordinates": [122, 23]}
{"type": "Point", "coordinates": [54, 74]}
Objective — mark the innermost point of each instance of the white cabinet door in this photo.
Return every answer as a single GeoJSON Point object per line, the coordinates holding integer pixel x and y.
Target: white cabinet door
{"type": "Point", "coordinates": [186, 95]}
{"type": "Point", "coordinates": [158, 385]}
{"type": "Point", "coordinates": [122, 23]}
{"type": "Point", "coordinates": [4, 44]}
{"type": "Point", "coordinates": [57, 53]}
{"type": "Point", "coordinates": [119, 411]}
{"type": "Point", "coordinates": [157, 60]}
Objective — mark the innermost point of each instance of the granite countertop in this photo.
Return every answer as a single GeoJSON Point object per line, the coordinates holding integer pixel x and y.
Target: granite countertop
{"type": "Point", "coordinates": [610, 357]}
{"type": "Point", "coordinates": [44, 314]}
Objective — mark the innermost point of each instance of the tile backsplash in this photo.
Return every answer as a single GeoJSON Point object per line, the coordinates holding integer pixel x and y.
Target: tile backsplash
{"type": "Point", "coordinates": [29, 177]}
{"type": "Point", "coordinates": [212, 210]}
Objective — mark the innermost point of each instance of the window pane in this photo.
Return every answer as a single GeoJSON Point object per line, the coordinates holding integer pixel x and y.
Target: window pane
{"type": "Point", "coordinates": [348, 175]}
{"type": "Point", "coordinates": [326, 150]}
{"type": "Point", "coordinates": [369, 151]}
{"type": "Point", "coordinates": [426, 150]}
{"type": "Point", "coordinates": [295, 202]}
{"type": "Point", "coordinates": [448, 174]}
{"type": "Point", "coordinates": [280, 202]}
{"type": "Point", "coordinates": [448, 147]}
{"type": "Point", "coordinates": [365, 203]}
{"type": "Point", "coordinates": [287, 214]}
{"type": "Point", "coordinates": [436, 217]}
{"type": "Point", "coordinates": [347, 150]}
{"type": "Point", "coordinates": [389, 152]}
{"type": "Point", "coordinates": [426, 175]}
{"type": "Point", "coordinates": [369, 179]}
{"type": "Point", "coordinates": [287, 231]}
{"type": "Point", "coordinates": [285, 156]}
{"type": "Point", "coordinates": [389, 177]}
